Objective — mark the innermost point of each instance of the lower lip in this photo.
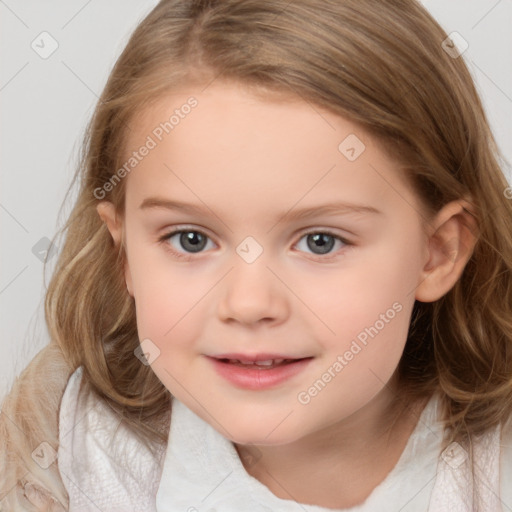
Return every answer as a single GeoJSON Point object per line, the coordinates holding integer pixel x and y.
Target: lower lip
{"type": "Point", "coordinates": [254, 378]}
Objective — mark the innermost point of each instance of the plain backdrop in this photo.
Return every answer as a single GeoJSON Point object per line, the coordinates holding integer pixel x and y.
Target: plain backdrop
{"type": "Point", "coordinates": [47, 99]}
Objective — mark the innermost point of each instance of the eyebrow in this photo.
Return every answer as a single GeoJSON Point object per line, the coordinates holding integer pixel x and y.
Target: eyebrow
{"type": "Point", "coordinates": [299, 214]}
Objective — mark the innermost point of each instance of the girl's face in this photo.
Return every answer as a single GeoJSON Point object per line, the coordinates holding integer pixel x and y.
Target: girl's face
{"type": "Point", "coordinates": [297, 239]}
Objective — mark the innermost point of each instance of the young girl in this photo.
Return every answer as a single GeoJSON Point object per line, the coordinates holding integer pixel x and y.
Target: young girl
{"type": "Point", "coordinates": [286, 283]}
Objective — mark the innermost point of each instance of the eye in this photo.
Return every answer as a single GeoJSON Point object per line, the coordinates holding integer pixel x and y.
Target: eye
{"type": "Point", "coordinates": [322, 242]}
{"type": "Point", "coordinates": [191, 240]}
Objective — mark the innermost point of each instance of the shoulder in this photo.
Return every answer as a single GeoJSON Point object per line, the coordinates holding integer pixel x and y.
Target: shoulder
{"type": "Point", "coordinates": [506, 464]}
{"type": "Point", "coordinates": [29, 477]}
{"type": "Point", "coordinates": [100, 458]}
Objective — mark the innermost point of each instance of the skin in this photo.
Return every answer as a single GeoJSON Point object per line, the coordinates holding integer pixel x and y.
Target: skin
{"type": "Point", "coordinates": [251, 158]}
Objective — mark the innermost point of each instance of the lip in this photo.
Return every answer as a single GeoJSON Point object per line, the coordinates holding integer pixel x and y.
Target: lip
{"type": "Point", "coordinates": [260, 356]}
{"type": "Point", "coordinates": [257, 378]}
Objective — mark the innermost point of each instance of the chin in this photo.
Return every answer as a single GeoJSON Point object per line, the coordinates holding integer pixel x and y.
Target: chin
{"type": "Point", "coordinates": [264, 434]}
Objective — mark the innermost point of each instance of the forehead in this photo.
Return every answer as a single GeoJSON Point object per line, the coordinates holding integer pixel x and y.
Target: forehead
{"type": "Point", "coordinates": [226, 143]}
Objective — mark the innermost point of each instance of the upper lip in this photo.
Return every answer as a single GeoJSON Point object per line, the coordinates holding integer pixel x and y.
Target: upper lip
{"type": "Point", "coordinates": [255, 357]}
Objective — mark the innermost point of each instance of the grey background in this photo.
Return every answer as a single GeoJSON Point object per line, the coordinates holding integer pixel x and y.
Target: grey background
{"type": "Point", "coordinates": [46, 104]}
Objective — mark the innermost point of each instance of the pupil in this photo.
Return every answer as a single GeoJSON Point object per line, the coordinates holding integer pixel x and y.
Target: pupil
{"type": "Point", "coordinates": [192, 241]}
{"type": "Point", "coordinates": [321, 243]}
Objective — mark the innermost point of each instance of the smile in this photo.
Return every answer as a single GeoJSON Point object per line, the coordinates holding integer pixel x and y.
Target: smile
{"type": "Point", "coordinates": [269, 363]}
{"type": "Point", "coordinates": [258, 372]}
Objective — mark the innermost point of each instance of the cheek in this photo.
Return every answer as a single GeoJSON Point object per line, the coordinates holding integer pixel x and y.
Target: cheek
{"type": "Point", "coordinates": [167, 299]}
{"type": "Point", "coordinates": [373, 289]}
{"type": "Point", "coordinates": [360, 360]}
{"type": "Point", "coordinates": [368, 306]}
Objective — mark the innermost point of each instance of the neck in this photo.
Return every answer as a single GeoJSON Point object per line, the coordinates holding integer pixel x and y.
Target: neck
{"type": "Point", "coordinates": [339, 466]}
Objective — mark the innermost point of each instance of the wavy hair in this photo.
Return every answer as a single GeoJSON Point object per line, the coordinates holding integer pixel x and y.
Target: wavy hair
{"type": "Point", "coordinates": [382, 65]}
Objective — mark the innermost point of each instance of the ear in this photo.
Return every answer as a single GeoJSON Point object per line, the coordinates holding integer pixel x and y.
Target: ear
{"type": "Point", "coordinates": [451, 239]}
{"type": "Point", "coordinates": [107, 212]}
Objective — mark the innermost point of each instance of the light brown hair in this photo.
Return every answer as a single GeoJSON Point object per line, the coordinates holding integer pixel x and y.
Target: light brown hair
{"type": "Point", "coordinates": [380, 64]}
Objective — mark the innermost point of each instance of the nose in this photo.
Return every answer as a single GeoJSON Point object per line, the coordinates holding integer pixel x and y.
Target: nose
{"type": "Point", "coordinates": [252, 295]}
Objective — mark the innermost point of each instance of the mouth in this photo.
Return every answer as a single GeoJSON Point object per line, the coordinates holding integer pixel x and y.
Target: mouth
{"type": "Point", "coordinates": [264, 364]}
{"type": "Point", "coordinates": [260, 371]}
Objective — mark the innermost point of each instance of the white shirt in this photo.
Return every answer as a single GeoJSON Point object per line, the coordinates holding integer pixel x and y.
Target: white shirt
{"type": "Point", "coordinates": [103, 466]}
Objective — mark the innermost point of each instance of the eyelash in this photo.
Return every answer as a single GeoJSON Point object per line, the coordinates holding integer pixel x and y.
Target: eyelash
{"type": "Point", "coordinates": [189, 256]}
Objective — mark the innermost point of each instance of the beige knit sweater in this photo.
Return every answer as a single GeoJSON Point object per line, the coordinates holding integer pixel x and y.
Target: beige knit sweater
{"type": "Point", "coordinates": [30, 416]}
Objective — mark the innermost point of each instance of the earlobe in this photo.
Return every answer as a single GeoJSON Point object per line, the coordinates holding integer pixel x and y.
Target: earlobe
{"type": "Point", "coordinates": [450, 246]}
{"type": "Point", "coordinates": [107, 212]}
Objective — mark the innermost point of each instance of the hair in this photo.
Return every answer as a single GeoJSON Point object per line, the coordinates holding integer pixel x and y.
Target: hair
{"type": "Point", "coordinates": [350, 58]}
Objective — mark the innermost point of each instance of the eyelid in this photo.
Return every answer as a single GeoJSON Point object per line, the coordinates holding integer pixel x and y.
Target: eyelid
{"type": "Point", "coordinates": [326, 231]}
{"type": "Point", "coordinates": [301, 233]}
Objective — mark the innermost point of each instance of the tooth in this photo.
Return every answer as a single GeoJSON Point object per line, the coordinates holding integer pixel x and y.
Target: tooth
{"type": "Point", "coordinates": [265, 363]}
{"type": "Point", "coordinates": [245, 362]}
